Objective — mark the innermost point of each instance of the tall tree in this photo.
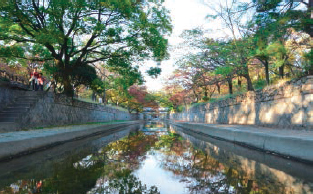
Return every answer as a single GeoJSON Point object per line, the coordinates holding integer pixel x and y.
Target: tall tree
{"type": "Point", "coordinates": [75, 34]}
{"type": "Point", "coordinates": [240, 42]}
{"type": "Point", "coordinates": [297, 14]}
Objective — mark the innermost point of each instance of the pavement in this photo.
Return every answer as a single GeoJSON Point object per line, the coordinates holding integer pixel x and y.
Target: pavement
{"type": "Point", "coordinates": [19, 143]}
{"type": "Point", "coordinates": [292, 144]}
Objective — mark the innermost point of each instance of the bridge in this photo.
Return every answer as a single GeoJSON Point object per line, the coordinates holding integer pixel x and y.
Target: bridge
{"type": "Point", "coordinates": [151, 113]}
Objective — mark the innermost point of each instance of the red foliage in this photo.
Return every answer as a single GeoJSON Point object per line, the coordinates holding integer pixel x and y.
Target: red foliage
{"type": "Point", "coordinates": [142, 96]}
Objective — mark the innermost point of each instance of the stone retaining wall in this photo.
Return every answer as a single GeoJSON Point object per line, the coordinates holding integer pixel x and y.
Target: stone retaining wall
{"type": "Point", "coordinates": [59, 110]}
{"type": "Point", "coordinates": [285, 106]}
{"type": "Point", "coordinates": [7, 94]}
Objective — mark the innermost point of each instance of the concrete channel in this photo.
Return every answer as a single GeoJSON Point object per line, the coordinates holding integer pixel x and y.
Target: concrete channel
{"type": "Point", "coordinates": [291, 144]}
{"type": "Point", "coordinates": [17, 144]}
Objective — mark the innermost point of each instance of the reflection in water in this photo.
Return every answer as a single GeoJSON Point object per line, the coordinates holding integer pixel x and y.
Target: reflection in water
{"type": "Point", "coordinates": [24, 186]}
{"type": "Point", "coordinates": [159, 159]}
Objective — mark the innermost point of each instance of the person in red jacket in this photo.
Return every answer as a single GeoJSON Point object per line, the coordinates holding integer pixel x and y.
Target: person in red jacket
{"type": "Point", "coordinates": [33, 78]}
{"type": "Point", "coordinates": [40, 82]}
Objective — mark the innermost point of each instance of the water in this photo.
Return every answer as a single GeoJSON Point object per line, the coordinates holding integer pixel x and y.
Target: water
{"type": "Point", "coordinates": [153, 158]}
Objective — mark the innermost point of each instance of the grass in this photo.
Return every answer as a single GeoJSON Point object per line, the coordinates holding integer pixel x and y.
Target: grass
{"type": "Point", "coordinates": [4, 79]}
{"type": "Point", "coordinates": [108, 105]}
{"type": "Point", "coordinates": [87, 100]}
{"type": "Point", "coordinates": [220, 98]}
{"type": "Point", "coordinates": [88, 123]}
{"type": "Point", "coordinates": [198, 104]}
{"type": "Point", "coordinates": [117, 107]}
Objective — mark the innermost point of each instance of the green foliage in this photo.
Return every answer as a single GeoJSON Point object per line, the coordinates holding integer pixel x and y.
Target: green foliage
{"type": "Point", "coordinates": [154, 71]}
{"type": "Point", "coordinates": [84, 75]}
{"type": "Point", "coordinates": [163, 99]}
{"type": "Point", "coordinates": [75, 34]}
{"type": "Point", "coordinates": [278, 51]}
{"type": "Point", "coordinates": [224, 70]}
{"type": "Point", "coordinates": [4, 79]}
{"type": "Point", "coordinates": [308, 60]}
{"type": "Point", "coordinates": [205, 98]}
{"type": "Point", "coordinates": [98, 86]}
{"type": "Point", "coordinates": [260, 84]}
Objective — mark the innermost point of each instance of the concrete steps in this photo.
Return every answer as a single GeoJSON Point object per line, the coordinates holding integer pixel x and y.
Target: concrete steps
{"type": "Point", "coordinates": [7, 114]}
{"type": "Point", "coordinates": [8, 119]}
{"type": "Point", "coordinates": [20, 105]}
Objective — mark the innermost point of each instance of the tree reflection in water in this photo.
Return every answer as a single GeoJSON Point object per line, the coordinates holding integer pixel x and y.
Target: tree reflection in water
{"type": "Point", "coordinates": [111, 169]}
{"type": "Point", "coordinates": [122, 158]}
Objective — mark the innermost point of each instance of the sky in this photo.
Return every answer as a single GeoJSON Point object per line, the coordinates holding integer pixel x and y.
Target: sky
{"type": "Point", "coordinates": [185, 14]}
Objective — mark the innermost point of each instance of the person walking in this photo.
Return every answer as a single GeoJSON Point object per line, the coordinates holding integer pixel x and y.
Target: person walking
{"type": "Point", "coordinates": [33, 79]}
{"type": "Point", "coordinates": [40, 81]}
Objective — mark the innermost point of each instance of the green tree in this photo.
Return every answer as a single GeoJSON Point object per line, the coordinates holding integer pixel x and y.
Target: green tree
{"type": "Point", "coordinates": [76, 34]}
{"type": "Point", "coordinates": [289, 14]}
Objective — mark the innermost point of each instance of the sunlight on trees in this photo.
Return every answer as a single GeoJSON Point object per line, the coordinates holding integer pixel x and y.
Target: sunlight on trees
{"type": "Point", "coordinates": [71, 36]}
{"type": "Point", "coordinates": [266, 41]}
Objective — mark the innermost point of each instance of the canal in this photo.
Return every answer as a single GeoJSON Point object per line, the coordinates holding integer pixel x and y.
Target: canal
{"type": "Point", "coordinates": [153, 158]}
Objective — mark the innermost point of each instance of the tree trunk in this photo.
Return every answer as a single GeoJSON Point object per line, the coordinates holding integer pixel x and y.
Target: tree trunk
{"type": "Point", "coordinates": [205, 93]}
{"type": "Point", "coordinates": [239, 82]}
{"type": "Point", "coordinates": [93, 96]}
{"type": "Point", "coordinates": [249, 82]}
{"type": "Point", "coordinates": [281, 71]}
{"type": "Point", "coordinates": [218, 88]}
{"type": "Point", "coordinates": [194, 92]}
{"type": "Point", "coordinates": [68, 88]}
{"type": "Point", "coordinates": [104, 98]}
{"type": "Point", "coordinates": [267, 75]}
{"type": "Point", "coordinates": [230, 85]}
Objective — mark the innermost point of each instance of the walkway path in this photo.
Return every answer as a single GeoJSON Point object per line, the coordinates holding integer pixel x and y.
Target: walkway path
{"type": "Point", "coordinates": [14, 144]}
{"type": "Point", "coordinates": [295, 144]}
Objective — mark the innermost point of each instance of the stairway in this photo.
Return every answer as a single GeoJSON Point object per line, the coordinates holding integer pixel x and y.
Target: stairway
{"type": "Point", "coordinates": [20, 105]}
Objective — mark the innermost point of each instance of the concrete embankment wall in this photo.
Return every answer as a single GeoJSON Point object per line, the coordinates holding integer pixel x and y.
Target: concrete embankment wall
{"type": "Point", "coordinates": [52, 110]}
{"type": "Point", "coordinates": [7, 94]}
{"type": "Point", "coordinates": [58, 110]}
{"type": "Point", "coordinates": [284, 106]}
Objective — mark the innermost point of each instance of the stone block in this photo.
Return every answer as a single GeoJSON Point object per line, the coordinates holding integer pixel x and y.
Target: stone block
{"type": "Point", "coordinates": [308, 118]}
{"type": "Point", "coordinates": [307, 88]}
{"type": "Point", "coordinates": [307, 100]}
{"type": "Point", "coordinates": [296, 99]}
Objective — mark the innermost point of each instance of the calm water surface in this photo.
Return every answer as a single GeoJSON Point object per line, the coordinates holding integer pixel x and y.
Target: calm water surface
{"type": "Point", "coordinates": [153, 158]}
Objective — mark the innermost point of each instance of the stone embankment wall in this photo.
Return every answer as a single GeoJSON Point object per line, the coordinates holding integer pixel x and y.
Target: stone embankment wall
{"type": "Point", "coordinates": [289, 105]}
{"type": "Point", "coordinates": [7, 94]}
{"type": "Point", "coordinates": [58, 110]}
